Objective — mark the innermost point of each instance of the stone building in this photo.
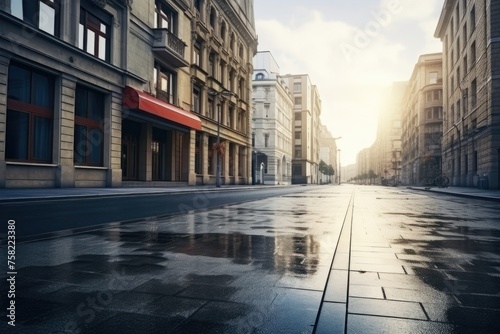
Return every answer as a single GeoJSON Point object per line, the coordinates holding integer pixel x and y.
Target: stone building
{"type": "Point", "coordinates": [328, 154]}
{"type": "Point", "coordinates": [271, 122]}
{"type": "Point", "coordinates": [98, 93]}
{"type": "Point", "coordinates": [470, 32]}
{"type": "Point", "coordinates": [307, 112]}
{"type": "Point", "coordinates": [422, 120]}
{"type": "Point", "coordinates": [387, 146]}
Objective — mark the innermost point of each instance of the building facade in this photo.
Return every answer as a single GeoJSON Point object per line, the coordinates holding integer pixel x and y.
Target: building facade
{"type": "Point", "coordinates": [422, 120]}
{"type": "Point", "coordinates": [271, 122]}
{"type": "Point", "coordinates": [328, 154]}
{"type": "Point", "coordinates": [470, 32]}
{"type": "Point", "coordinates": [307, 112]}
{"type": "Point", "coordinates": [111, 93]}
{"type": "Point", "coordinates": [387, 147]}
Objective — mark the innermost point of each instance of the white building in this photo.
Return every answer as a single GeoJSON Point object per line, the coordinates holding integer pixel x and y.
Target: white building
{"type": "Point", "coordinates": [271, 122]}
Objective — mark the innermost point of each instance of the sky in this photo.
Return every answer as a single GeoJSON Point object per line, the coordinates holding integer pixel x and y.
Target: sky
{"type": "Point", "coordinates": [353, 51]}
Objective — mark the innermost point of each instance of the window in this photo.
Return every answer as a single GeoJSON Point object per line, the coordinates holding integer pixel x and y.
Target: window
{"type": "Point", "coordinates": [43, 14]}
{"type": "Point", "coordinates": [466, 68]}
{"type": "Point", "coordinates": [452, 27]}
{"type": "Point", "coordinates": [30, 104]}
{"type": "Point", "coordinates": [197, 53]}
{"type": "Point", "coordinates": [88, 134]}
{"type": "Point", "coordinates": [241, 52]}
{"type": "Point", "coordinates": [266, 140]}
{"type": "Point", "coordinates": [437, 95]}
{"type": "Point", "coordinates": [230, 116]}
{"type": "Point", "coordinates": [232, 43]}
{"type": "Point", "coordinates": [433, 78]}
{"type": "Point", "coordinates": [458, 75]}
{"type": "Point", "coordinates": [473, 53]}
{"type": "Point", "coordinates": [458, 110]}
{"type": "Point", "coordinates": [94, 33]}
{"type": "Point", "coordinates": [298, 102]}
{"type": "Point", "coordinates": [473, 18]}
{"type": "Point", "coordinates": [298, 151]}
{"type": "Point", "coordinates": [211, 108]}
{"type": "Point", "coordinates": [465, 33]}
{"type": "Point", "coordinates": [259, 76]}
{"type": "Point", "coordinates": [297, 87]}
{"type": "Point", "coordinates": [223, 31]}
{"type": "Point", "coordinates": [196, 99]}
{"type": "Point", "coordinates": [473, 93]}
{"type": "Point", "coordinates": [298, 135]}
{"type": "Point", "coordinates": [164, 84]}
{"type": "Point", "coordinates": [211, 65]}
{"type": "Point", "coordinates": [213, 17]}
{"type": "Point", "coordinates": [452, 86]}
{"type": "Point", "coordinates": [241, 88]}
{"type": "Point", "coordinates": [165, 17]}
{"type": "Point", "coordinates": [198, 5]}
{"type": "Point", "coordinates": [452, 116]}
{"type": "Point", "coordinates": [452, 57]}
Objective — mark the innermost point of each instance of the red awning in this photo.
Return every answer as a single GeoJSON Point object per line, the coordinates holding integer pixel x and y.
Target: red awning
{"type": "Point", "coordinates": [134, 99]}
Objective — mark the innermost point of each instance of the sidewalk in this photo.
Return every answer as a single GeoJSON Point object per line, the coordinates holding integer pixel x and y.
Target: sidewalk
{"type": "Point", "coordinates": [469, 192]}
{"type": "Point", "coordinates": [31, 194]}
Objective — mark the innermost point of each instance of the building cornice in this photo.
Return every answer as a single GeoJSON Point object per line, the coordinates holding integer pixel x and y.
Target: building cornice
{"type": "Point", "coordinates": [444, 18]}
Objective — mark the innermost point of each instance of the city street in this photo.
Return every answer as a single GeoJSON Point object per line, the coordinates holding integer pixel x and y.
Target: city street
{"type": "Point", "coordinates": [312, 259]}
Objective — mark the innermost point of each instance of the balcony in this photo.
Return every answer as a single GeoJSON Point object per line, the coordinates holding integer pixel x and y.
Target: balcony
{"type": "Point", "coordinates": [169, 47]}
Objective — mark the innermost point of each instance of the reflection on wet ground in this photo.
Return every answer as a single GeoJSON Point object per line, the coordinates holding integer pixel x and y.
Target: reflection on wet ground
{"type": "Point", "coordinates": [410, 264]}
{"type": "Point", "coordinates": [435, 264]}
{"type": "Point", "coordinates": [236, 269]}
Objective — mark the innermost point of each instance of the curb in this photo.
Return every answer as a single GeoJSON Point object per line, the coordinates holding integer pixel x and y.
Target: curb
{"type": "Point", "coordinates": [464, 195]}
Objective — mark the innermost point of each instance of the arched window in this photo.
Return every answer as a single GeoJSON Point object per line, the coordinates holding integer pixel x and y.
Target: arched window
{"type": "Point", "coordinates": [223, 31]}
{"type": "Point", "coordinates": [259, 76]}
{"type": "Point", "coordinates": [213, 17]}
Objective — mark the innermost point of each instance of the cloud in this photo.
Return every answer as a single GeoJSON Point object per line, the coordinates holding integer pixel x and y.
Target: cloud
{"type": "Point", "coordinates": [352, 65]}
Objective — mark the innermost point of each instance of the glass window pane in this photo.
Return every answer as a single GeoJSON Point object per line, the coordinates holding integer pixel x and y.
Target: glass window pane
{"type": "Point", "coordinates": [103, 28]}
{"type": "Point", "coordinates": [80, 144]}
{"type": "Point", "coordinates": [90, 42]}
{"type": "Point", "coordinates": [17, 135]}
{"type": "Point", "coordinates": [102, 47]}
{"type": "Point", "coordinates": [16, 9]}
{"type": "Point", "coordinates": [81, 30]}
{"type": "Point", "coordinates": [96, 146]}
{"type": "Point", "coordinates": [81, 102]}
{"type": "Point", "coordinates": [19, 82]}
{"type": "Point", "coordinates": [42, 139]}
{"type": "Point", "coordinates": [96, 105]}
{"type": "Point", "coordinates": [47, 19]}
{"type": "Point", "coordinates": [164, 84]}
{"type": "Point", "coordinates": [42, 95]}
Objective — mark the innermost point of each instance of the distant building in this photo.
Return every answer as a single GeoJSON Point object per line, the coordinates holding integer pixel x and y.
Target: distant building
{"type": "Point", "coordinates": [272, 122]}
{"type": "Point", "coordinates": [387, 146]}
{"type": "Point", "coordinates": [470, 32]}
{"type": "Point", "coordinates": [307, 112]}
{"type": "Point", "coordinates": [328, 154]}
{"type": "Point", "coordinates": [422, 120]}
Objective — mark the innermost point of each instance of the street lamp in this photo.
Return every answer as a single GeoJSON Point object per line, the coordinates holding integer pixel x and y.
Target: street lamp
{"type": "Point", "coordinates": [222, 93]}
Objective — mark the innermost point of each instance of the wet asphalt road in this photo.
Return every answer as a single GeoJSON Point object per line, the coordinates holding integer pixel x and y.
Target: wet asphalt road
{"type": "Point", "coordinates": [328, 259]}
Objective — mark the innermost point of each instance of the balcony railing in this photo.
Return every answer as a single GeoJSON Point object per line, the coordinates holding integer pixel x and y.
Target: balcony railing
{"type": "Point", "coordinates": [169, 46]}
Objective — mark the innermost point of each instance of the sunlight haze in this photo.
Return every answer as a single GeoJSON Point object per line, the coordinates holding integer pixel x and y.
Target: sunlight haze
{"type": "Point", "coordinates": [352, 50]}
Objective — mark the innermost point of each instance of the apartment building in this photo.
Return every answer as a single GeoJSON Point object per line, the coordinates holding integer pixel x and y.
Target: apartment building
{"type": "Point", "coordinates": [111, 93]}
{"type": "Point", "coordinates": [307, 112]}
{"type": "Point", "coordinates": [328, 154]}
{"type": "Point", "coordinates": [470, 32]}
{"type": "Point", "coordinates": [272, 122]}
{"type": "Point", "coordinates": [422, 120]}
{"type": "Point", "coordinates": [387, 146]}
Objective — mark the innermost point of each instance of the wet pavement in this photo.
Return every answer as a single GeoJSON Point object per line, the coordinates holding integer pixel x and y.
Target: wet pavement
{"type": "Point", "coordinates": [329, 259]}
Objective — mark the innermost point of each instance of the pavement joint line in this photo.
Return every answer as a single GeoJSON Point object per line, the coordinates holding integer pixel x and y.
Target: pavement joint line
{"type": "Point", "coordinates": [350, 208]}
